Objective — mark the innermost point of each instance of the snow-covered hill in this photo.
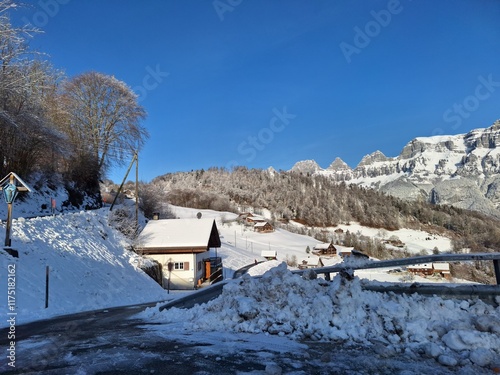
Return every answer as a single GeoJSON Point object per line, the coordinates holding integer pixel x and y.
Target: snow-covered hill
{"type": "Point", "coordinates": [462, 170]}
{"type": "Point", "coordinates": [89, 267]}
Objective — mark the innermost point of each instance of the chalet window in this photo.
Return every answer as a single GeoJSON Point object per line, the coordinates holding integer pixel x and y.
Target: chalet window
{"type": "Point", "coordinates": [178, 266]}
{"type": "Point", "coordinates": [199, 266]}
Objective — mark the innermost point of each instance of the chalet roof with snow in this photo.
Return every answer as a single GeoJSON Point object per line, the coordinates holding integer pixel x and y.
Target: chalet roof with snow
{"type": "Point", "coordinates": [269, 253]}
{"type": "Point", "coordinates": [310, 262]}
{"type": "Point", "coordinates": [344, 250]}
{"type": "Point", "coordinates": [441, 266]}
{"type": "Point", "coordinates": [254, 218]}
{"type": "Point", "coordinates": [178, 236]}
{"type": "Point", "coordinates": [260, 224]}
{"type": "Point", "coordinates": [423, 266]}
{"type": "Point", "coordinates": [322, 246]}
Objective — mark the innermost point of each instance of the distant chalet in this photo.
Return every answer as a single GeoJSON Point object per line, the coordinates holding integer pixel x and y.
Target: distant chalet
{"type": "Point", "coordinates": [427, 269]}
{"type": "Point", "coordinates": [259, 223]}
{"type": "Point", "coordinates": [183, 244]}
{"type": "Point", "coordinates": [325, 249]}
{"type": "Point", "coordinates": [263, 227]}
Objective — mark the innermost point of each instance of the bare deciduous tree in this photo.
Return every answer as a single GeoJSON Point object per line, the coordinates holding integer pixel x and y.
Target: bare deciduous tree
{"type": "Point", "coordinates": [30, 141]}
{"type": "Point", "coordinates": [103, 118]}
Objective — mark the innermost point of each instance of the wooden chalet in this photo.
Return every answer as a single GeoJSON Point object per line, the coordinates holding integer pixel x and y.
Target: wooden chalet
{"type": "Point", "coordinates": [428, 269]}
{"type": "Point", "coordinates": [443, 269]}
{"type": "Point", "coordinates": [325, 249]}
{"type": "Point", "coordinates": [423, 269]}
{"type": "Point", "coordinates": [263, 227]}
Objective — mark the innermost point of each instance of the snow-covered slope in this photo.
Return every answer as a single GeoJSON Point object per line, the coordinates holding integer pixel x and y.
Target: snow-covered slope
{"type": "Point", "coordinates": [462, 170]}
{"type": "Point", "coordinates": [89, 267]}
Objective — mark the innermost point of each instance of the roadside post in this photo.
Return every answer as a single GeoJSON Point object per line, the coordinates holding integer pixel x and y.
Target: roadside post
{"type": "Point", "coordinates": [46, 286]}
{"type": "Point", "coordinates": [170, 267]}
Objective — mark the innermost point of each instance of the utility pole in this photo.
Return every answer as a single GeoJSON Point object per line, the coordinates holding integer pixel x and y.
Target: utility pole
{"type": "Point", "coordinates": [124, 179]}
{"type": "Point", "coordinates": [136, 191]}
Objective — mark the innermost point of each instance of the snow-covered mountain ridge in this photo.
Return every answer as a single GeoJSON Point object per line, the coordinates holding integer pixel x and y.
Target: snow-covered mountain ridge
{"type": "Point", "coordinates": [462, 170]}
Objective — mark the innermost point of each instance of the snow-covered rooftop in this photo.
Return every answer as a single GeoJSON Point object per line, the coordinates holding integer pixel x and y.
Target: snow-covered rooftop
{"type": "Point", "coordinates": [176, 233]}
{"type": "Point", "coordinates": [268, 253]}
{"type": "Point", "coordinates": [423, 266]}
{"type": "Point", "coordinates": [260, 224]}
{"type": "Point", "coordinates": [322, 246]}
{"type": "Point", "coordinates": [441, 266]}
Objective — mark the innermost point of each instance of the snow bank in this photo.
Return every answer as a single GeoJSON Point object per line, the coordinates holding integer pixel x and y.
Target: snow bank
{"type": "Point", "coordinates": [284, 304]}
{"type": "Point", "coordinates": [89, 267]}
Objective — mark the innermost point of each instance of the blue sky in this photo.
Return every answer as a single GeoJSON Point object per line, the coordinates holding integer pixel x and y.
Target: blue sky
{"type": "Point", "coordinates": [267, 83]}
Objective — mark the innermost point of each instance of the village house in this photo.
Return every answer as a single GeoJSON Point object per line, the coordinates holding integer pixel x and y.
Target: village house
{"type": "Point", "coordinates": [269, 254]}
{"type": "Point", "coordinates": [263, 227]}
{"type": "Point", "coordinates": [250, 218]}
{"type": "Point", "coordinates": [422, 269]}
{"type": "Point", "coordinates": [310, 262]}
{"type": "Point", "coordinates": [428, 269]}
{"type": "Point", "coordinates": [442, 269]}
{"type": "Point", "coordinates": [325, 249]}
{"type": "Point", "coordinates": [182, 247]}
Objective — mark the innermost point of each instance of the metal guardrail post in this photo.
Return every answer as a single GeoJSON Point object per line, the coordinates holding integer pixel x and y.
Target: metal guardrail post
{"type": "Point", "coordinates": [496, 266]}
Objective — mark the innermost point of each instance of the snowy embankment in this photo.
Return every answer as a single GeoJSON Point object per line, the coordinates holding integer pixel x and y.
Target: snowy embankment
{"type": "Point", "coordinates": [89, 267]}
{"type": "Point", "coordinates": [455, 333]}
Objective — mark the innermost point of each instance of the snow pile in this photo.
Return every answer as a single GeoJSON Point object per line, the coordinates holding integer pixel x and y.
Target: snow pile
{"type": "Point", "coordinates": [263, 267]}
{"type": "Point", "coordinates": [285, 304]}
{"type": "Point", "coordinates": [89, 266]}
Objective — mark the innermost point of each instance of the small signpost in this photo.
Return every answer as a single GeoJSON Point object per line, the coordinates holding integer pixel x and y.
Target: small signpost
{"type": "Point", "coordinates": [10, 186]}
{"type": "Point", "coordinates": [170, 267]}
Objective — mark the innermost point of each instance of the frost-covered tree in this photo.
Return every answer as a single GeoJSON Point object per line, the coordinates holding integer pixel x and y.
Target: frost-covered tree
{"type": "Point", "coordinates": [103, 119]}
{"type": "Point", "coordinates": [27, 83]}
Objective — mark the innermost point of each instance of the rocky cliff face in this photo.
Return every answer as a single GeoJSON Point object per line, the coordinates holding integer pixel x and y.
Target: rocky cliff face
{"type": "Point", "coordinates": [461, 170]}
